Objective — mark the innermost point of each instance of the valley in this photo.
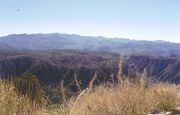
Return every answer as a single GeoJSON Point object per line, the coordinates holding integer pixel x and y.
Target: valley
{"type": "Point", "coordinates": [64, 66]}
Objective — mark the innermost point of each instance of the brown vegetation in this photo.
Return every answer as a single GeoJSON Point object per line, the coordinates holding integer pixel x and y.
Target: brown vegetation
{"type": "Point", "coordinates": [126, 98]}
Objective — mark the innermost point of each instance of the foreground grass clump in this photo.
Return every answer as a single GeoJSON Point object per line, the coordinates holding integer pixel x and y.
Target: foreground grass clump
{"type": "Point", "coordinates": [168, 96]}
{"type": "Point", "coordinates": [126, 98]}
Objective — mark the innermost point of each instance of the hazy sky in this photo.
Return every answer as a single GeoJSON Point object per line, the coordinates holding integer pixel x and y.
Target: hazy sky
{"type": "Point", "coordinates": [134, 19]}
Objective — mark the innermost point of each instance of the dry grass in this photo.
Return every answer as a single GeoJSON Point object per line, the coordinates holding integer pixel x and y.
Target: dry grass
{"type": "Point", "coordinates": [63, 90]}
{"type": "Point", "coordinates": [126, 98]}
{"type": "Point", "coordinates": [168, 96]}
{"type": "Point", "coordinates": [120, 72]}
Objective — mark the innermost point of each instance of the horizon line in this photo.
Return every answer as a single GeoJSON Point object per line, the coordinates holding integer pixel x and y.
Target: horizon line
{"type": "Point", "coordinates": [95, 36]}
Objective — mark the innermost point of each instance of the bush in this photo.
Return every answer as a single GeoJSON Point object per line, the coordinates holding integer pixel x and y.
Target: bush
{"type": "Point", "coordinates": [11, 103]}
{"type": "Point", "coordinates": [28, 85]}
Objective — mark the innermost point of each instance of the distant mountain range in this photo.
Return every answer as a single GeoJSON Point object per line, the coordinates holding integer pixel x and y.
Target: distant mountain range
{"type": "Point", "coordinates": [87, 43]}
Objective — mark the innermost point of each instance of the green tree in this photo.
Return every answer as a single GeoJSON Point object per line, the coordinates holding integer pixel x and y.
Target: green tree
{"type": "Point", "coordinates": [28, 85]}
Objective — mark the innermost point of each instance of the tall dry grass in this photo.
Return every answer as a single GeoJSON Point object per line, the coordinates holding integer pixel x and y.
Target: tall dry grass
{"type": "Point", "coordinates": [126, 98]}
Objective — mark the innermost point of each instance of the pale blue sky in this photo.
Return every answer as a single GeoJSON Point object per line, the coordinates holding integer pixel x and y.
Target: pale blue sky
{"type": "Point", "coordinates": [134, 19]}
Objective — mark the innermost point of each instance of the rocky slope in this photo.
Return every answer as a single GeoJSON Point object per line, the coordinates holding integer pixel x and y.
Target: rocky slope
{"type": "Point", "coordinates": [54, 65]}
{"type": "Point", "coordinates": [163, 69]}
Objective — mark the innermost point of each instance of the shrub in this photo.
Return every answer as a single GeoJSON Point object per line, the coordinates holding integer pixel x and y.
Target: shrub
{"type": "Point", "coordinates": [11, 103]}
{"type": "Point", "coordinates": [28, 85]}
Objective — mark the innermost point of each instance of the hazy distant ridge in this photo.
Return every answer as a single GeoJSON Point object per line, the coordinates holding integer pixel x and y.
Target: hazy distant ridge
{"type": "Point", "coordinates": [71, 41]}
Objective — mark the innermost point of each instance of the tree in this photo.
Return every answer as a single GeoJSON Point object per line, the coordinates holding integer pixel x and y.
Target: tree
{"type": "Point", "coordinates": [28, 85]}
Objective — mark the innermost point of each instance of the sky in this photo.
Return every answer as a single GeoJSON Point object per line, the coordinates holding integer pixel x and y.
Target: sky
{"type": "Point", "coordinates": [133, 19]}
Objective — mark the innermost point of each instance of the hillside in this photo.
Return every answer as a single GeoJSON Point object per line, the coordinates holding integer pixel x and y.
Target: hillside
{"type": "Point", "coordinates": [54, 65]}
{"type": "Point", "coordinates": [87, 43]}
{"type": "Point", "coordinates": [162, 69]}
